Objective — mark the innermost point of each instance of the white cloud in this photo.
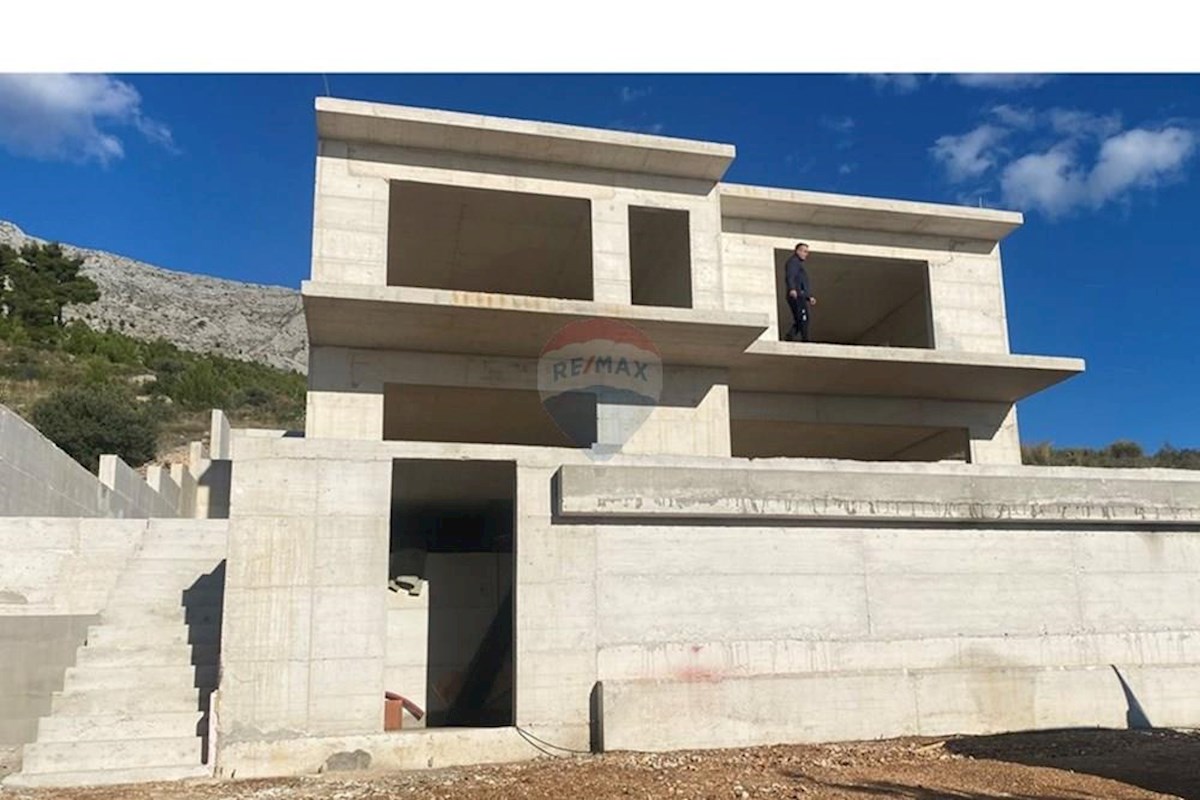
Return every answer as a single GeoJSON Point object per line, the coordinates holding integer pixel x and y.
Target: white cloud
{"type": "Point", "coordinates": [1074, 123]}
{"type": "Point", "coordinates": [1001, 81]}
{"type": "Point", "coordinates": [1056, 182]}
{"type": "Point", "coordinates": [846, 169]}
{"type": "Point", "coordinates": [1061, 160]}
{"type": "Point", "coordinates": [1022, 118]}
{"type": "Point", "coordinates": [1139, 158]}
{"type": "Point", "coordinates": [68, 117]}
{"type": "Point", "coordinates": [971, 154]}
{"type": "Point", "coordinates": [1049, 181]}
{"type": "Point", "coordinates": [901, 82]}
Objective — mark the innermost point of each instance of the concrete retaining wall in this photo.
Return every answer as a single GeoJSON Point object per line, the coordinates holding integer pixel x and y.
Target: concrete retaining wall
{"type": "Point", "coordinates": [39, 479]}
{"type": "Point", "coordinates": [676, 602]}
{"type": "Point", "coordinates": [35, 652]}
{"type": "Point", "coordinates": [63, 565]}
{"type": "Point", "coordinates": [949, 605]}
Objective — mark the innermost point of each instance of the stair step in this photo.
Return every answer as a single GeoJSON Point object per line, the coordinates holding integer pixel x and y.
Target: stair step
{"type": "Point", "coordinates": [164, 582]}
{"type": "Point", "coordinates": [165, 676]}
{"type": "Point", "coordinates": [139, 700]}
{"type": "Point", "coordinates": [167, 725]}
{"type": "Point", "coordinates": [107, 777]}
{"type": "Point", "coordinates": [122, 612]}
{"type": "Point", "coordinates": [121, 637]}
{"type": "Point", "coordinates": [184, 548]}
{"type": "Point", "coordinates": [93, 754]}
{"type": "Point", "coordinates": [103, 655]}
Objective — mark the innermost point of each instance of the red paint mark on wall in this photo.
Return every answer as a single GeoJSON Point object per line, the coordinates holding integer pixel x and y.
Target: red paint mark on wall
{"type": "Point", "coordinates": [698, 675]}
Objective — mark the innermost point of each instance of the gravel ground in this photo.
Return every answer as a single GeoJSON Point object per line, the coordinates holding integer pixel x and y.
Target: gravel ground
{"type": "Point", "coordinates": [1071, 765]}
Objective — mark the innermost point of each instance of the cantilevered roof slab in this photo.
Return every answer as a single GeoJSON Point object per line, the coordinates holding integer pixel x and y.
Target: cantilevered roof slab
{"type": "Point", "coordinates": [809, 368]}
{"type": "Point", "coordinates": [868, 213]}
{"type": "Point", "coordinates": [442, 321]}
{"type": "Point", "coordinates": [422, 128]}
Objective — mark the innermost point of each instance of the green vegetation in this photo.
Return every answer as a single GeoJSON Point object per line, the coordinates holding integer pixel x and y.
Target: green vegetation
{"type": "Point", "coordinates": [87, 422]}
{"type": "Point", "coordinates": [1118, 454]}
{"type": "Point", "coordinates": [88, 389]}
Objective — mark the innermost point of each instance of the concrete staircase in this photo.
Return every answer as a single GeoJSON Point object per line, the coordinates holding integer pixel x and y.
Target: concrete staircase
{"type": "Point", "coordinates": [135, 705]}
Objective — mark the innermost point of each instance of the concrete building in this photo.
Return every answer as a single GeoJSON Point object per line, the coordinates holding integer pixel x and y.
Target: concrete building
{"type": "Point", "coordinates": [740, 540]}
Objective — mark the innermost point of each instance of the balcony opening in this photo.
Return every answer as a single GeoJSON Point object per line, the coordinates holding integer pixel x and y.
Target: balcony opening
{"type": "Point", "coordinates": [450, 639]}
{"type": "Point", "coordinates": [864, 301]}
{"type": "Point", "coordinates": [487, 240]}
{"type": "Point", "coordinates": [660, 257]}
{"type": "Point", "coordinates": [486, 415]}
{"type": "Point", "coordinates": [757, 438]}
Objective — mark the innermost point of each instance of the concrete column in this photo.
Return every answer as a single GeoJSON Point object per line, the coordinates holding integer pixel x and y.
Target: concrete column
{"type": "Point", "coordinates": [691, 417]}
{"type": "Point", "coordinates": [611, 282]}
{"type": "Point", "coordinates": [999, 445]}
{"type": "Point", "coordinates": [219, 433]}
{"type": "Point", "coordinates": [704, 225]}
{"type": "Point", "coordinates": [350, 221]}
{"type": "Point", "coordinates": [345, 415]}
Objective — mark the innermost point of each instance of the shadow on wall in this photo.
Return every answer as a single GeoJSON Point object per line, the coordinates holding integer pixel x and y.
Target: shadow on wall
{"type": "Point", "coordinates": [1162, 761]}
{"type": "Point", "coordinates": [203, 604]}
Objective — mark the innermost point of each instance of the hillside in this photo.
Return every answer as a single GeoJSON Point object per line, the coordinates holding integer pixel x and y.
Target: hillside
{"type": "Point", "coordinates": [196, 312]}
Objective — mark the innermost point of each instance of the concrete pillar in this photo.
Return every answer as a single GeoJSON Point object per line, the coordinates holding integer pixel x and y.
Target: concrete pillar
{"type": "Point", "coordinates": [219, 433]}
{"type": "Point", "coordinates": [611, 282]}
{"type": "Point", "coordinates": [704, 225]}
{"type": "Point", "coordinates": [350, 221]}
{"type": "Point", "coordinates": [997, 445]}
{"type": "Point", "coordinates": [691, 417]}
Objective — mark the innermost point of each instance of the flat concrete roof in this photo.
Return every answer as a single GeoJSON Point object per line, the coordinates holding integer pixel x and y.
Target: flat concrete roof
{"type": "Point", "coordinates": [870, 213]}
{"type": "Point", "coordinates": [445, 321]}
{"type": "Point", "coordinates": [429, 129]}
{"type": "Point", "coordinates": [814, 368]}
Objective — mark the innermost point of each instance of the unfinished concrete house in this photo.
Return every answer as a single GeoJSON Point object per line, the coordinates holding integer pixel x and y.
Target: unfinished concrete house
{"type": "Point", "coordinates": [564, 482]}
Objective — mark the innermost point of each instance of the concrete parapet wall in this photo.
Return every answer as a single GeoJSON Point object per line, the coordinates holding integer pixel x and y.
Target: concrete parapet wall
{"type": "Point", "coordinates": [37, 478]}
{"type": "Point", "coordinates": [1031, 495]}
{"type": "Point", "coordinates": [131, 493]}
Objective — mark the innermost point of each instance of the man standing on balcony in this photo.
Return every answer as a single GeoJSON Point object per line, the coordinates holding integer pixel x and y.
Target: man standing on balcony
{"type": "Point", "coordinates": [799, 296]}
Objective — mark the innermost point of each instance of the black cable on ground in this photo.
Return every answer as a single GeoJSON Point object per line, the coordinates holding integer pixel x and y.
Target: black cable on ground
{"type": "Point", "coordinates": [527, 736]}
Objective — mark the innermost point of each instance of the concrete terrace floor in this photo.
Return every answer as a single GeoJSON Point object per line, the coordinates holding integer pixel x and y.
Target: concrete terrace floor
{"type": "Point", "coordinates": [1063, 765]}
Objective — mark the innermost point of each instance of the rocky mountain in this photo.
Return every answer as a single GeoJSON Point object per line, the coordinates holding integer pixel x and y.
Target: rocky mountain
{"type": "Point", "coordinates": [195, 312]}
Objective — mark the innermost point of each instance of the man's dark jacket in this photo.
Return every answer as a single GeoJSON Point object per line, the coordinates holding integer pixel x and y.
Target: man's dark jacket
{"type": "Point", "coordinates": [797, 277]}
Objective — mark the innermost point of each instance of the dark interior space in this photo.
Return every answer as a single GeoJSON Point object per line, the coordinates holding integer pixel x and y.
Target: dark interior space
{"type": "Point", "coordinates": [864, 301]}
{"type": "Point", "coordinates": [419, 412]}
{"type": "Point", "coordinates": [758, 438]}
{"type": "Point", "coordinates": [660, 257]}
{"type": "Point", "coordinates": [453, 524]}
{"type": "Point", "coordinates": [487, 240]}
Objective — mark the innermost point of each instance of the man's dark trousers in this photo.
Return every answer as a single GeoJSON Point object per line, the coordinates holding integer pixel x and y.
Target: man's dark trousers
{"type": "Point", "coordinates": [799, 318]}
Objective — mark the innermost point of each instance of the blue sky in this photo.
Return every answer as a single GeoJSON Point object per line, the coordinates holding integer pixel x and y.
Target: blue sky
{"type": "Point", "coordinates": [213, 174]}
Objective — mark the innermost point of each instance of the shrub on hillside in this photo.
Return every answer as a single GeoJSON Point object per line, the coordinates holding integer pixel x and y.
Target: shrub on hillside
{"type": "Point", "coordinates": [87, 422]}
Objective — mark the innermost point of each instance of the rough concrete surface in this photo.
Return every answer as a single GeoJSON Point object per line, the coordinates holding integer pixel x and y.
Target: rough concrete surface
{"type": "Point", "coordinates": [1114, 765]}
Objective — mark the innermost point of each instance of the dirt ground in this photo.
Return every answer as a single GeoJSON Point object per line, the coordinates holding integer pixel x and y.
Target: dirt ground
{"type": "Point", "coordinates": [1069, 765]}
